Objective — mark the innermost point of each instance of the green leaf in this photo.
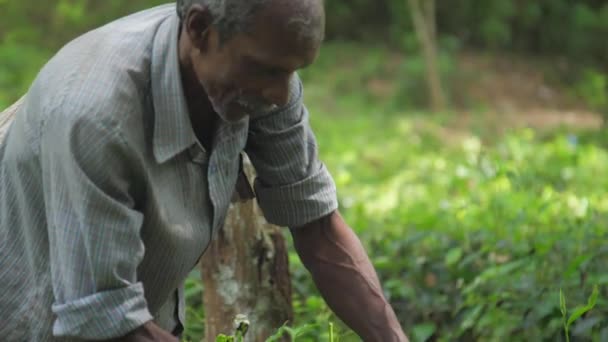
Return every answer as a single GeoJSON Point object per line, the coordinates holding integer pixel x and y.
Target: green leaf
{"type": "Point", "coordinates": [578, 312]}
{"type": "Point", "coordinates": [576, 264]}
{"type": "Point", "coordinates": [471, 317]}
{"type": "Point", "coordinates": [453, 256]}
{"type": "Point", "coordinates": [224, 338]}
{"type": "Point", "coordinates": [423, 332]}
{"type": "Point", "coordinates": [293, 332]}
{"type": "Point", "coordinates": [562, 303]}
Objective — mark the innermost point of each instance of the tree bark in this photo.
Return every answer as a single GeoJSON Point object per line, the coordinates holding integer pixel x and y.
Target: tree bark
{"type": "Point", "coordinates": [424, 25]}
{"type": "Point", "coordinates": [245, 271]}
{"type": "Point", "coordinates": [430, 19]}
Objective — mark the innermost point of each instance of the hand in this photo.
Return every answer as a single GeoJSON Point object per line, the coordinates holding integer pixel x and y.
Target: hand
{"type": "Point", "coordinates": [149, 332]}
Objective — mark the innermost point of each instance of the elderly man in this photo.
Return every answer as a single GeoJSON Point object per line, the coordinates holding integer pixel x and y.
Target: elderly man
{"type": "Point", "coordinates": [122, 159]}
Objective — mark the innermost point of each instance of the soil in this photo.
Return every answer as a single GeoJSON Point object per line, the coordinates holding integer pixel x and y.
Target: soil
{"type": "Point", "coordinates": [514, 91]}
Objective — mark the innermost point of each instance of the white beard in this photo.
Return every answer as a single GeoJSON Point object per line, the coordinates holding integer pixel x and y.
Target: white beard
{"type": "Point", "coordinates": [254, 108]}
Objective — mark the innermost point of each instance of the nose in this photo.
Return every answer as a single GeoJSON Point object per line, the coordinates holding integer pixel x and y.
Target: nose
{"type": "Point", "coordinates": [278, 92]}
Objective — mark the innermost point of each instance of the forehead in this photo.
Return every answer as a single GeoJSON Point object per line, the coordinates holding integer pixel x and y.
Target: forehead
{"type": "Point", "coordinates": [276, 33]}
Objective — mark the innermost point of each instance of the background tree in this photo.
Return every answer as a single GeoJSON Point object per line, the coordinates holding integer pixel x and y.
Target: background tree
{"type": "Point", "coordinates": [423, 17]}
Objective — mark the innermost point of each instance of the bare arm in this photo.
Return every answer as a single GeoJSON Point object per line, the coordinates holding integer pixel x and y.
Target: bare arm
{"type": "Point", "coordinates": [341, 269]}
{"type": "Point", "coordinates": [149, 332]}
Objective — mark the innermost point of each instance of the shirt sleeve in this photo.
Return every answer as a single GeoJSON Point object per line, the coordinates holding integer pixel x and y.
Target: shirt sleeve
{"type": "Point", "coordinates": [93, 228]}
{"type": "Point", "coordinates": [293, 186]}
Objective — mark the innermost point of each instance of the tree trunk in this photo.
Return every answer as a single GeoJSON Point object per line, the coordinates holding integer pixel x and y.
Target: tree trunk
{"type": "Point", "coordinates": [430, 19]}
{"type": "Point", "coordinates": [245, 271]}
{"type": "Point", "coordinates": [424, 25]}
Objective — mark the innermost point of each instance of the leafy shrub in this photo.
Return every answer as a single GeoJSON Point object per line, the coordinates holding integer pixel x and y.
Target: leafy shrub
{"type": "Point", "coordinates": [593, 88]}
{"type": "Point", "coordinates": [474, 242]}
{"type": "Point", "coordinates": [573, 28]}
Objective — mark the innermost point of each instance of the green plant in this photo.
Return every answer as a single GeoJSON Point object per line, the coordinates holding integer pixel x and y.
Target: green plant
{"type": "Point", "coordinates": [578, 311]}
{"type": "Point", "coordinates": [292, 332]}
{"type": "Point", "coordinates": [593, 89]}
{"type": "Point", "coordinates": [241, 324]}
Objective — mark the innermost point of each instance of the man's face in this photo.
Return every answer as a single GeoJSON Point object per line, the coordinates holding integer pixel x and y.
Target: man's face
{"type": "Point", "coordinates": [250, 73]}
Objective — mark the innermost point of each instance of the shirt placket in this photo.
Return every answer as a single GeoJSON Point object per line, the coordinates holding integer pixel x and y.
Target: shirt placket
{"type": "Point", "coordinates": [226, 150]}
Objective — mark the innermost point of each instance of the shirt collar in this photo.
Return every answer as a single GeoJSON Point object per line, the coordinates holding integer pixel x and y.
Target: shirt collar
{"type": "Point", "coordinates": [173, 131]}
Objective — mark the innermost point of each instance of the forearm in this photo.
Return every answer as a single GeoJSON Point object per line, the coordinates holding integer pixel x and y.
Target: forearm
{"type": "Point", "coordinates": [346, 278]}
{"type": "Point", "coordinates": [149, 332]}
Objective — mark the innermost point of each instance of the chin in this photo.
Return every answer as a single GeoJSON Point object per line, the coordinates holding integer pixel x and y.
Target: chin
{"type": "Point", "coordinates": [232, 119]}
{"type": "Point", "coordinates": [232, 115]}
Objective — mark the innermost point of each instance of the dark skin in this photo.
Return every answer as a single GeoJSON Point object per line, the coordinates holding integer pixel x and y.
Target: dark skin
{"type": "Point", "coordinates": [260, 64]}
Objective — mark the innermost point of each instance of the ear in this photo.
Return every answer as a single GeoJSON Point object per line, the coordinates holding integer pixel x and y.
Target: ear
{"type": "Point", "coordinates": [197, 23]}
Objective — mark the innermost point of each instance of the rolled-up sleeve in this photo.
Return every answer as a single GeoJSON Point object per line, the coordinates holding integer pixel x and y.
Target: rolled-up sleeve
{"type": "Point", "coordinates": [94, 230]}
{"type": "Point", "coordinates": [293, 186]}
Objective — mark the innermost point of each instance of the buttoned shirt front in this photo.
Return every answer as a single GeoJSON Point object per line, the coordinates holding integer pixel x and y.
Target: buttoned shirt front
{"type": "Point", "coordinates": [107, 199]}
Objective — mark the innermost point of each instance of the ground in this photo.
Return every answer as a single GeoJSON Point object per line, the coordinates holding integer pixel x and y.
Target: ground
{"type": "Point", "coordinates": [517, 90]}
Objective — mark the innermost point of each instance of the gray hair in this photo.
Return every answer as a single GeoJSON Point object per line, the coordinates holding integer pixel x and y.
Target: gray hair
{"type": "Point", "coordinates": [235, 16]}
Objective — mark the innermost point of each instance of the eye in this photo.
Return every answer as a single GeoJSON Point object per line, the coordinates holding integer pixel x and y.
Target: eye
{"type": "Point", "coordinates": [274, 72]}
{"type": "Point", "coordinates": [260, 69]}
{"type": "Point", "coordinates": [268, 71]}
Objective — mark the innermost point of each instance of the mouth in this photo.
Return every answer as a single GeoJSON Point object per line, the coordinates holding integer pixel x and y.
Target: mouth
{"type": "Point", "coordinates": [236, 104]}
{"type": "Point", "coordinates": [255, 105]}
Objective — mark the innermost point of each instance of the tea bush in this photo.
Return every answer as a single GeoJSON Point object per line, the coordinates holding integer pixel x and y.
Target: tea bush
{"type": "Point", "coordinates": [474, 242]}
{"type": "Point", "coordinates": [471, 242]}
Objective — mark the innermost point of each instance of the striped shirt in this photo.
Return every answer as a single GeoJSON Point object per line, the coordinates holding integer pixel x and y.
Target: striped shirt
{"type": "Point", "coordinates": [108, 200]}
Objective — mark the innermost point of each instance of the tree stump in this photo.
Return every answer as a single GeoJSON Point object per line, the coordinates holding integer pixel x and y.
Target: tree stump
{"type": "Point", "coordinates": [246, 271]}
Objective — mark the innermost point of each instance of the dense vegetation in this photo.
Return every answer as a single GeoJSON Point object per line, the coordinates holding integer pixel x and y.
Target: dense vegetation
{"type": "Point", "coordinates": [473, 234]}
{"type": "Point", "coordinates": [560, 27]}
{"type": "Point", "coordinates": [570, 31]}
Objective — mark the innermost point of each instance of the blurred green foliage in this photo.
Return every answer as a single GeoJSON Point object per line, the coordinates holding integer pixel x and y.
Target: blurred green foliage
{"type": "Point", "coordinates": [592, 87]}
{"type": "Point", "coordinates": [570, 30]}
{"type": "Point", "coordinates": [31, 32]}
{"type": "Point", "coordinates": [473, 235]}
{"type": "Point", "coordinates": [574, 28]}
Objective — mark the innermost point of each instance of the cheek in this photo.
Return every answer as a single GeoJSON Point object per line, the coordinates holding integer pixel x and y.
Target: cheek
{"type": "Point", "coordinates": [210, 78]}
{"type": "Point", "coordinates": [210, 70]}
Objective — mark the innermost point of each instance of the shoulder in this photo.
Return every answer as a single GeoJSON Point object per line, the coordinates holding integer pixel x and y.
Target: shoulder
{"type": "Point", "coordinates": [103, 75]}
